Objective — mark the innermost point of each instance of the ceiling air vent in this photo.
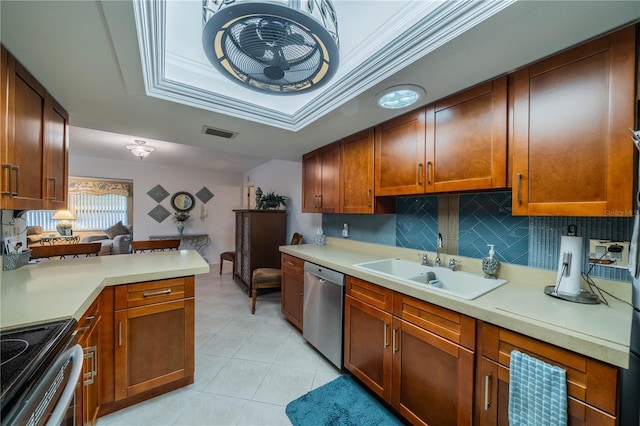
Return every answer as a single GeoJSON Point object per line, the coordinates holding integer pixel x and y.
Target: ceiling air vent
{"type": "Point", "coordinates": [218, 132]}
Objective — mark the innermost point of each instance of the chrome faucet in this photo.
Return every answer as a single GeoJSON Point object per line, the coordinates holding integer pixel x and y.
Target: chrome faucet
{"type": "Point", "coordinates": [452, 263]}
{"type": "Point", "coordinates": [425, 261]}
{"type": "Point", "coordinates": [438, 247]}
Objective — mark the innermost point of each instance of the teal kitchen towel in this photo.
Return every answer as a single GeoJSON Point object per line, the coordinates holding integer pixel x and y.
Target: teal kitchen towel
{"type": "Point", "coordinates": [537, 392]}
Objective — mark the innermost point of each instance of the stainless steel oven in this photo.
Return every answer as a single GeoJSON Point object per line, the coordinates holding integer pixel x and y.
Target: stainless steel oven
{"type": "Point", "coordinates": [40, 367]}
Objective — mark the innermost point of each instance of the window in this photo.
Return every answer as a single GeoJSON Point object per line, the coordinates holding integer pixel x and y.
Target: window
{"type": "Point", "coordinates": [96, 204]}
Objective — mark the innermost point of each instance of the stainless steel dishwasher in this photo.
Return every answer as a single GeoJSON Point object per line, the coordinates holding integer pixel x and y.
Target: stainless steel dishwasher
{"type": "Point", "coordinates": [323, 311]}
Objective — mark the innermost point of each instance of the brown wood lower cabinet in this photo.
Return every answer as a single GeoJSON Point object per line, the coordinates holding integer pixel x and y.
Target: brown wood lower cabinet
{"type": "Point", "coordinates": [88, 391]}
{"type": "Point", "coordinates": [292, 288]}
{"type": "Point", "coordinates": [147, 346]}
{"type": "Point", "coordinates": [155, 335]}
{"type": "Point", "coordinates": [591, 385]}
{"type": "Point", "coordinates": [425, 375]}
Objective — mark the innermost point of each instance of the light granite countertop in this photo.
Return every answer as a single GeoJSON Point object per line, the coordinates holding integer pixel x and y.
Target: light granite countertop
{"type": "Point", "coordinates": [60, 289]}
{"type": "Point", "coordinates": [601, 331]}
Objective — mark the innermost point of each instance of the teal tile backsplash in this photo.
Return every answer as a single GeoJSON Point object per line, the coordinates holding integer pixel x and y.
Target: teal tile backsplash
{"type": "Point", "coordinates": [484, 218]}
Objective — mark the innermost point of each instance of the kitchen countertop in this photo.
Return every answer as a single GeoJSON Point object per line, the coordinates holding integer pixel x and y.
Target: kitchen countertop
{"type": "Point", "coordinates": [601, 331]}
{"type": "Point", "coordinates": [59, 289]}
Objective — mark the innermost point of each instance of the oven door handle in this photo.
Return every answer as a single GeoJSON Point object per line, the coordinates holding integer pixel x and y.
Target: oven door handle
{"type": "Point", "coordinates": [76, 355]}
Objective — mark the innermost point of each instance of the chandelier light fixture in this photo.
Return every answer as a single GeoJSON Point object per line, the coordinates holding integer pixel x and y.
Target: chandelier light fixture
{"type": "Point", "coordinates": [140, 150]}
{"type": "Point", "coordinates": [277, 46]}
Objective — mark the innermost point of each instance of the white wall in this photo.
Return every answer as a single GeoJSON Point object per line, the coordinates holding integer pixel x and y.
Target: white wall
{"type": "Point", "coordinates": [285, 178]}
{"type": "Point", "coordinates": [226, 187]}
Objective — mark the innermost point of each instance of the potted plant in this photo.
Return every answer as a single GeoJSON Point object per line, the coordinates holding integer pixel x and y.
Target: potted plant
{"type": "Point", "coordinates": [272, 201]}
{"type": "Point", "coordinates": [180, 218]}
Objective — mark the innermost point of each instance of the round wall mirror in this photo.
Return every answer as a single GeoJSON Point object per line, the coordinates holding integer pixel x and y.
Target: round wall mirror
{"type": "Point", "coordinates": [182, 201]}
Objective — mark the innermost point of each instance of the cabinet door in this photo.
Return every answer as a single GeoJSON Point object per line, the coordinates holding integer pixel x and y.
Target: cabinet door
{"type": "Point", "coordinates": [91, 375]}
{"type": "Point", "coordinates": [432, 377]}
{"type": "Point", "coordinates": [572, 112]}
{"type": "Point", "coordinates": [320, 180]}
{"type": "Point", "coordinates": [356, 173]}
{"type": "Point", "coordinates": [310, 182]}
{"type": "Point", "coordinates": [367, 346]}
{"type": "Point", "coordinates": [292, 290]}
{"type": "Point", "coordinates": [467, 140]}
{"type": "Point", "coordinates": [400, 155]}
{"type": "Point", "coordinates": [22, 162]}
{"type": "Point", "coordinates": [330, 178]}
{"type": "Point", "coordinates": [492, 401]}
{"type": "Point", "coordinates": [153, 346]}
{"type": "Point", "coordinates": [56, 155]}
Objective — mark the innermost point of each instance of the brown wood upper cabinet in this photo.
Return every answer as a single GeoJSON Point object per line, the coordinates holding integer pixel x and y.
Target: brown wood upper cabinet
{"type": "Point", "coordinates": [467, 139]}
{"type": "Point", "coordinates": [33, 142]}
{"type": "Point", "coordinates": [456, 144]}
{"type": "Point", "coordinates": [572, 155]}
{"type": "Point", "coordinates": [320, 180]}
{"type": "Point", "coordinates": [356, 173]}
{"type": "Point", "coordinates": [400, 155]}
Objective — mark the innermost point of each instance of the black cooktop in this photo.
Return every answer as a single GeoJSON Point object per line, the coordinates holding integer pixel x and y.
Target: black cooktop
{"type": "Point", "coordinates": [24, 353]}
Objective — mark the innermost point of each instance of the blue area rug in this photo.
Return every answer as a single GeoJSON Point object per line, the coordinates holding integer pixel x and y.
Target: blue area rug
{"type": "Point", "coordinates": [340, 402]}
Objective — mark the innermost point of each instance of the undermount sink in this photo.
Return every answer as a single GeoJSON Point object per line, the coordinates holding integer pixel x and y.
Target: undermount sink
{"type": "Point", "coordinates": [456, 283]}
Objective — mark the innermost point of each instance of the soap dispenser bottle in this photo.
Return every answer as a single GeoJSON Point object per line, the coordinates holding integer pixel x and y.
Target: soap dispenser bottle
{"type": "Point", "coordinates": [345, 230]}
{"type": "Point", "coordinates": [490, 264]}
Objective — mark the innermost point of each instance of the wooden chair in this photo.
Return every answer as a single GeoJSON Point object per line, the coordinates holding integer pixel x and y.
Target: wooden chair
{"type": "Point", "coordinates": [63, 250]}
{"type": "Point", "coordinates": [268, 277]}
{"type": "Point", "coordinates": [145, 246]}
{"type": "Point", "coordinates": [228, 256]}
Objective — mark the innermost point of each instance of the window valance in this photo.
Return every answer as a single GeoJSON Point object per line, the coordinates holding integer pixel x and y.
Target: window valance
{"type": "Point", "coordinates": [99, 187]}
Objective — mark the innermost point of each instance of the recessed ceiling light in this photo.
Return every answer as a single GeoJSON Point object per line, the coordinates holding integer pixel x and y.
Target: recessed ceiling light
{"type": "Point", "coordinates": [397, 97]}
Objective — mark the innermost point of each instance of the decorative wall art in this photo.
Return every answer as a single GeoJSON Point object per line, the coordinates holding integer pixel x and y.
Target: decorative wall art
{"type": "Point", "coordinates": [159, 213]}
{"type": "Point", "coordinates": [158, 193]}
{"type": "Point", "coordinates": [204, 195]}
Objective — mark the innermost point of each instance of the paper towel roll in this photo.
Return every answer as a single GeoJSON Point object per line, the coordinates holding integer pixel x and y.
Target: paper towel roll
{"type": "Point", "coordinates": [570, 284]}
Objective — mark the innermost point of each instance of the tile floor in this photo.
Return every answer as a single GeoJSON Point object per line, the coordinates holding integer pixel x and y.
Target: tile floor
{"type": "Point", "coordinates": [248, 367]}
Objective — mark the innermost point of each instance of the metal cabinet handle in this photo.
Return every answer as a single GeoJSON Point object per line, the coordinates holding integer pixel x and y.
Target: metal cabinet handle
{"type": "Point", "coordinates": [290, 263]}
{"type": "Point", "coordinates": [119, 333]}
{"type": "Point", "coordinates": [90, 317]}
{"type": "Point", "coordinates": [518, 184]}
{"type": "Point", "coordinates": [91, 354]}
{"type": "Point", "coordinates": [487, 383]}
{"type": "Point", "coordinates": [386, 340]}
{"type": "Point", "coordinates": [8, 167]}
{"type": "Point", "coordinates": [393, 335]}
{"type": "Point", "coordinates": [55, 189]}
{"type": "Point", "coordinates": [368, 197]}
{"type": "Point", "coordinates": [156, 293]}
{"type": "Point", "coordinates": [17, 170]}
{"type": "Point", "coordinates": [420, 166]}
{"type": "Point", "coordinates": [429, 171]}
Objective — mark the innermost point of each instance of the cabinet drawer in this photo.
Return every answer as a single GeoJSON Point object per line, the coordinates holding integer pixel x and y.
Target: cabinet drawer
{"type": "Point", "coordinates": [588, 380]}
{"type": "Point", "coordinates": [90, 317]}
{"type": "Point", "coordinates": [293, 263]}
{"type": "Point", "coordinates": [374, 295]}
{"type": "Point", "coordinates": [443, 322]}
{"type": "Point", "coordinates": [150, 292]}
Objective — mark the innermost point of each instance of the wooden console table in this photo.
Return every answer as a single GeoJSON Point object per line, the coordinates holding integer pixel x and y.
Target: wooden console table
{"type": "Point", "coordinates": [198, 242]}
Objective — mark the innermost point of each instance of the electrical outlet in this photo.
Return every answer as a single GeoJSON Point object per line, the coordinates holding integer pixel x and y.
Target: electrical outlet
{"type": "Point", "coordinates": [609, 253]}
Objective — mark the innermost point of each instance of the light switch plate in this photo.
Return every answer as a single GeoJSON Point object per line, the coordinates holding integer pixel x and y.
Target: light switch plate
{"type": "Point", "coordinates": [605, 253]}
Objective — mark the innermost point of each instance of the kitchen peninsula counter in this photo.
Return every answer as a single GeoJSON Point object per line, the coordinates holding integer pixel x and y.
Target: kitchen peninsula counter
{"type": "Point", "coordinates": [602, 332]}
{"type": "Point", "coordinates": [58, 289]}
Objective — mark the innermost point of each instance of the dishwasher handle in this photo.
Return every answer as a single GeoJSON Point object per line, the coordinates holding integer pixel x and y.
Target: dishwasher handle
{"type": "Point", "coordinates": [321, 273]}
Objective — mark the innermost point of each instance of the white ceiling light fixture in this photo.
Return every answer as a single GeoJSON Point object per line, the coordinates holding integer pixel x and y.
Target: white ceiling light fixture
{"type": "Point", "coordinates": [402, 96]}
{"type": "Point", "coordinates": [140, 150]}
{"type": "Point", "coordinates": [277, 46]}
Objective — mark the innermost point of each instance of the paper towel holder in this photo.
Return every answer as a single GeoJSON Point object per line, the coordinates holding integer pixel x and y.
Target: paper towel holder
{"type": "Point", "coordinates": [580, 296]}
